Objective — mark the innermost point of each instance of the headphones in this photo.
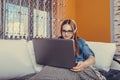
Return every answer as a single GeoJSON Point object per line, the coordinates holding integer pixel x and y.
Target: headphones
{"type": "Point", "coordinates": [75, 30]}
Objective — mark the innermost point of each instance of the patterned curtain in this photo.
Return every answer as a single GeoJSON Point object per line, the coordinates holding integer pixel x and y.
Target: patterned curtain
{"type": "Point", "coordinates": [0, 19]}
{"type": "Point", "coordinates": [116, 23]}
{"type": "Point", "coordinates": [27, 19]}
{"type": "Point", "coordinates": [58, 15]}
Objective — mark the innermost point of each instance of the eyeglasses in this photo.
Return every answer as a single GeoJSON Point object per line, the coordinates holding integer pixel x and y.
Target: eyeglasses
{"type": "Point", "coordinates": [67, 31]}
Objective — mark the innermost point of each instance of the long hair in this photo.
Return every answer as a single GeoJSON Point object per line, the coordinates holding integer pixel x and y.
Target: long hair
{"type": "Point", "coordinates": [73, 25]}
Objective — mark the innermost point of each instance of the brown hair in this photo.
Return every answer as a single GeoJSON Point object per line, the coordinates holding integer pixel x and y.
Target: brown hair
{"type": "Point", "coordinates": [73, 25]}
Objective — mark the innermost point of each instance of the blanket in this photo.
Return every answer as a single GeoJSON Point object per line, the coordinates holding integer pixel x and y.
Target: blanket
{"type": "Point", "coordinates": [54, 73]}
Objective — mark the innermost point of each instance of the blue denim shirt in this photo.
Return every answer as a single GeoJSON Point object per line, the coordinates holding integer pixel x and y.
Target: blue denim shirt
{"type": "Point", "coordinates": [84, 50]}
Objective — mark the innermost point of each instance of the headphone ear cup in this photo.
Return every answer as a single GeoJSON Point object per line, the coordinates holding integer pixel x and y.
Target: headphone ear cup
{"type": "Point", "coordinates": [75, 30]}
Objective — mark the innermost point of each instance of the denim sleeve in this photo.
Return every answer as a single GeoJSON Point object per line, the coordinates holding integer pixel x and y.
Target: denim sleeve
{"type": "Point", "coordinates": [85, 50]}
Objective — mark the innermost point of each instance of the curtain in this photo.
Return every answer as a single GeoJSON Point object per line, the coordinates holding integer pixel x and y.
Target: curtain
{"type": "Point", "coordinates": [58, 15]}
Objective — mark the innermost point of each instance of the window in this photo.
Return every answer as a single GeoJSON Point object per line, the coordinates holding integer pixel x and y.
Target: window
{"type": "Point", "coordinates": [16, 21]}
{"type": "Point", "coordinates": [39, 31]}
{"type": "Point", "coordinates": [26, 19]}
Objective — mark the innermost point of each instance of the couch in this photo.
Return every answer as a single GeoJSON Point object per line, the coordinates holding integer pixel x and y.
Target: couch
{"type": "Point", "coordinates": [17, 59]}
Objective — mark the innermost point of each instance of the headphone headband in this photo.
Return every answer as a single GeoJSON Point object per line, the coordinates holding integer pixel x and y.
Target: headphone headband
{"type": "Point", "coordinates": [75, 26]}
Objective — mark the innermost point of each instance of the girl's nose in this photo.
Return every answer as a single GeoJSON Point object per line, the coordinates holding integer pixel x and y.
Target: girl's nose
{"type": "Point", "coordinates": [66, 33]}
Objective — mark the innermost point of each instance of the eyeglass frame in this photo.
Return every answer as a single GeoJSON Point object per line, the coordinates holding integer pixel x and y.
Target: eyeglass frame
{"type": "Point", "coordinates": [67, 31]}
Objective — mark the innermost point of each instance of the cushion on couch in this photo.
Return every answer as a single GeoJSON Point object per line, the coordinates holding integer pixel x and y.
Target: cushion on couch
{"type": "Point", "coordinates": [14, 59]}
{"type": "Point", "coordinates": [36, 66]}
{"type": "Point", "coordinates": [104, 53]}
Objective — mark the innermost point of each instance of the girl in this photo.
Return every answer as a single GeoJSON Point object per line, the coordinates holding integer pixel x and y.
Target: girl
{"type": "Point", "coordinates": [85, 58]}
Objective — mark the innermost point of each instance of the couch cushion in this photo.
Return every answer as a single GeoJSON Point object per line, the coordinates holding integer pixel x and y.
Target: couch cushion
{"type": "Point", "coordinates": [104, 53]}
{"type": "Point", "coordinates": [36, 66]}
{"type": "Point", "coordinates": [14, 59]}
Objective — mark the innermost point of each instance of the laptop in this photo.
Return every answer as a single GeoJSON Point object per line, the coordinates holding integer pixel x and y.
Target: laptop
{"type": "Point", "coordinates": [54, 52]}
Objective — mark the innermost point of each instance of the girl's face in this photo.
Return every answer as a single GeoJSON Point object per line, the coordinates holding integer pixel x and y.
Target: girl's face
{"type": "Point", "coordinates": [67, 31]}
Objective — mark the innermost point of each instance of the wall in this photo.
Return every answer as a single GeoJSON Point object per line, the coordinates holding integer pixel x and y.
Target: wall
{"type": "Point", "coordinates": [71, 9]}
{"type": "Point", "coordinates": [92, 17]}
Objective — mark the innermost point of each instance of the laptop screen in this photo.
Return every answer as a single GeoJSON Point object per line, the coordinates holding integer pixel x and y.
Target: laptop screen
{"type": "Point", "coordinates": [54, 52]}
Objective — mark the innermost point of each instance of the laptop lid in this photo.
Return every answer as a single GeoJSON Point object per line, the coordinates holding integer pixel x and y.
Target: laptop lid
{"type": "Point", "coordinates": [54, 52]}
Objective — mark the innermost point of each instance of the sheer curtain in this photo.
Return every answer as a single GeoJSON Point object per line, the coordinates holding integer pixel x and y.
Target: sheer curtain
{"type": "Point", "coordinates": [27, 19]}
{"type": "Point", "coordinates": [58, 15]}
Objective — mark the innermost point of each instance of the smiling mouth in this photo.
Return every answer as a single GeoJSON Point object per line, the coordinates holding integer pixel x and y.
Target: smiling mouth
{"type": "Point", "coordinates": [66, 36]}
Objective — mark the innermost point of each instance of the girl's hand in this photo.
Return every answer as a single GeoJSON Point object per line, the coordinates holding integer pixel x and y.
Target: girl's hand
{"type": "Point", "coordinates": [80, 66]}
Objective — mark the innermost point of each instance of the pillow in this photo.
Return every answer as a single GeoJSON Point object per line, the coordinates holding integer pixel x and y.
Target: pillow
{"type": "Point", "coordinates": [14, 59]}
{"type": "Point", "coordinates": [104, 53]}
{"type": "Point", "coordinates": [36, 66]}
